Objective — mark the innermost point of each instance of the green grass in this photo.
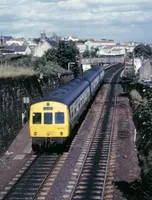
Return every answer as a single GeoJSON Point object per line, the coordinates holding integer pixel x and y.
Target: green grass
{"type": "Point", "coordinates": [7, 71]}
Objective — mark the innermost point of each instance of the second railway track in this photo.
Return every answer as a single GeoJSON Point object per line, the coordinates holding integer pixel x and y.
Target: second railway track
{"type": "Point", "coordinates": [29, 184]}
{"type": "Point", "coordinates": [91, 179]}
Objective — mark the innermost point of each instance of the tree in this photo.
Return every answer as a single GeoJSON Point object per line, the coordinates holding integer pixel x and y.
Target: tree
{"type": "Point", "coordinates": [67, 52]}
{"type": "Point", "coordinates": [51, 55]}
{"type": "Point", "coordinates": [143, 50]}
{"type": "Point", "coordinates": [94, 51]}
{"type": "Point", "coordinates": [129, 80]}
{"type": "Point", "coordinates": [86, 53]}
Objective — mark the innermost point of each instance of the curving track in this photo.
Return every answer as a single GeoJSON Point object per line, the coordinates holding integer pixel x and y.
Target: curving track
{"type": "Point", "coordinates": [91, 179]}
{"type": "Point", "coordinates": [90, 182]}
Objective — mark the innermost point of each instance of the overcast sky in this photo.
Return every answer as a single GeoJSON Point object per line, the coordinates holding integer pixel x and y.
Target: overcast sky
{"type": "Point", "coordinates": [121, 20]}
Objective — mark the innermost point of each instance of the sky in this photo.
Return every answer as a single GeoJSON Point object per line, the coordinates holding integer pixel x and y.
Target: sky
{"type": "Point", "coordinates": [121, 20]}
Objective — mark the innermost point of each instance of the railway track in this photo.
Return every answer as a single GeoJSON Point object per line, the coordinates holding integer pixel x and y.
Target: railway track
{"type": "Point", "coordinates": [31, 181]}
{"type": "Point", "coordinates": [89, 179]}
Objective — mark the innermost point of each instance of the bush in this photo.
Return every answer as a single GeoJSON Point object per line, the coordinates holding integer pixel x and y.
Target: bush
{"type": "Point", "coordinates": [142, 115]}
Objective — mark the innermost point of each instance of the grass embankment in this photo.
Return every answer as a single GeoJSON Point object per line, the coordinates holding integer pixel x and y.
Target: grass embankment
{"type": "Point", "coordinates": [7, 71]}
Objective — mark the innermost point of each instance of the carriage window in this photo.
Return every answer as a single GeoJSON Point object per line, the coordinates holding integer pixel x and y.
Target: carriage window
{"type": "Point", "coordinates": [36, 118]}
{"type": "Point", "coordinates": [59, 118]}
{"type": "Point", "coordinates": [47, 118]}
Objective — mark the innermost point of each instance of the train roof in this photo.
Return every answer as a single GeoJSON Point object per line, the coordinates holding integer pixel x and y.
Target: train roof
{"type": "Point", "coordinates": [90, 75]}
{"type": "Point", "coordinates": [98, 68]}
{"type": "Point", "coordinates": [68, 93]}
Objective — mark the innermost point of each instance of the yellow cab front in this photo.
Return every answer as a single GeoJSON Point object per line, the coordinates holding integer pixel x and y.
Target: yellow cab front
{"type": "Point", "coordinates": [49, 119]}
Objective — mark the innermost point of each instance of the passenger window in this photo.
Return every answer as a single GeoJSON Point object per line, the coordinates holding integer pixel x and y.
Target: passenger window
{"type": "Point", "coordinates": [36, 118]}
{"type": "Point", "coordinates": [59, 118]}
{"type": "Point", "coordinates": [71, 115]}
{"type": "Point", "coordinates": [47, 118]}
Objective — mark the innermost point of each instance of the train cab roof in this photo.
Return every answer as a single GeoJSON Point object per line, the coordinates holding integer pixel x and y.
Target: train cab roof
{"type": "Point", "coordinates": [90, 75]}
{"type": "Point", "coordinates": [68, 93]}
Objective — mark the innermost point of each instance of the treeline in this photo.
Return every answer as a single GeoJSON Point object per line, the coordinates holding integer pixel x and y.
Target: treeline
{"type": "Point", "coordinates": [142, 115]}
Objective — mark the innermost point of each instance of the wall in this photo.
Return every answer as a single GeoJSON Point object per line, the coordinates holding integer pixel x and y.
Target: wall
{"type": "Point", "coordinates": [104, 59]}
{"type": "Point", "coordinates": [145, 71]}
{"type": "Point", "coordinates": [12, 92]}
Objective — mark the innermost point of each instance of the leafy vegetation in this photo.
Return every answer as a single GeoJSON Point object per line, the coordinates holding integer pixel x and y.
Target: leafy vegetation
{"type": "Point", "coordinates": [9, 71]}
{"type": "Point", "coordinates": [143, 50]}
{"type": "Point", "coordinates": [91, 53]}
{"type": "Point", "coordinates": [54, 61]}
{"type": "Point", "coordinates": [27, 64]}
{"type": "Point", "coordinates": [128, 80]}
{"type": "Point", "coordinates": [142, 115]}
{"type": "Point", "coordinates": [65, 53]}
{"type": "Point", "coordinates": [86, 53]}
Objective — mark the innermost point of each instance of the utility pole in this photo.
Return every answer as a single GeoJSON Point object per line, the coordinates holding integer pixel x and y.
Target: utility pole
{"type": "Point", "coordinates": [80, 64]}
{"type": "Point", "coordinates": [125, 62]}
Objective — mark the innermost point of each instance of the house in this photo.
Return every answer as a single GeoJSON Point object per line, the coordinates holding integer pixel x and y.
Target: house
{"type": "Point", "coordinates": [105, 50]}
{"type": "Point", "coordinates": [4, 39]}
{"type": "Point", "coordinates": [73, 38]}
{"type": "Point", "coordinates": [81, 47]}
{"type": "Point", "coordinates": [44, 45]}
{"type": "Point", "coordinates": [18, 42]}
{"type": "Point", "coordinates": [16, 49]}
{"type": "Point", "coordinates": [7, 38]}
{"type": "Point", "coordinates": [24, 50]}
{"type": "Point", "coordinates": [97, 43]}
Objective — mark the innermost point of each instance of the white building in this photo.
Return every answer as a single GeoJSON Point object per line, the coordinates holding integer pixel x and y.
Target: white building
{"type": "Point", "coordinates": [73, 38]}
{"type": "Point", "coordinates": [44, 45]}
{"type": "Point", "coordinates": [114, 49]}
{"type": "Point", "coordinates": [81, 47]}
{"type": "Point", "coordinates": [15, 42]}
{"type": "Point", "coordinates": [31, 42]}
{"type": "Point", "coordinates": [95, 44]}
{"type": "Point", "coordinates": [17, 49]}
{"type": "Point", "coordinates": [23, 50]}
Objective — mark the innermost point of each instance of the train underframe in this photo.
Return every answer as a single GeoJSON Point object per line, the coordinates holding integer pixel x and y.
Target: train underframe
{"type": "Point", "coordinates": [42, 144]}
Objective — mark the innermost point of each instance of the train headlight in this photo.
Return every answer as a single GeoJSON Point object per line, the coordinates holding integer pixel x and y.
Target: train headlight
{"type": "Point", "coordinates": [35, 133]}
{"type": "Point", "coordinates": [48, 133]}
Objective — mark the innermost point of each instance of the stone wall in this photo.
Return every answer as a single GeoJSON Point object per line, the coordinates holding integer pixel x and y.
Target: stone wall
{"type": "Point", "coordinates": [12, 106]}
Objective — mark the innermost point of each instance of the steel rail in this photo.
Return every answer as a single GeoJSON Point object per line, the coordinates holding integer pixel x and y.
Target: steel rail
{"type": "Point", "coordinates": [91, 141]}
{"type": "Point", "coordinates": [111, 137]}
{"type": "Point", "coordinates": [24, 183]}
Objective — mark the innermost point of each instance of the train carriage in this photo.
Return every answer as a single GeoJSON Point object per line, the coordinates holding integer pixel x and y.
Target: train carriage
{"type": "Point", "coordinates": [101, 71]}
{"type": "Point", "coordinates": [95, 77]}
{"type": "Point", "coordinates": [53, 117]}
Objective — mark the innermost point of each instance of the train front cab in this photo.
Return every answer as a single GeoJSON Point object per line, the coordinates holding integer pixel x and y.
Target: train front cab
{"type": "Point", "coordinates": [49, 123]}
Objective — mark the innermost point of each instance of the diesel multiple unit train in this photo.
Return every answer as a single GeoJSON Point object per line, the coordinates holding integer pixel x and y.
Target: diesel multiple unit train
{"type": "Point", "coordinates": [54, 116]}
